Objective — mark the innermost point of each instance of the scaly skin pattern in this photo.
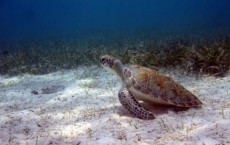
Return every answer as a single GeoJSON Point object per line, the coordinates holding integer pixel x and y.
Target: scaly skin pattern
{"type": "Point", "coordinates": [132, 105]}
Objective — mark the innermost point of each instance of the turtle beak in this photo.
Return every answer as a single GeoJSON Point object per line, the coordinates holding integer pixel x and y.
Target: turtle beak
{"type": "Point", "coordinates": [102, 61]}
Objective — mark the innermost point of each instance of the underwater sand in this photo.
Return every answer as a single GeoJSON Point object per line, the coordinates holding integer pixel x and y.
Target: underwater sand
{"type": "Point", "coordinates": [80, 107]}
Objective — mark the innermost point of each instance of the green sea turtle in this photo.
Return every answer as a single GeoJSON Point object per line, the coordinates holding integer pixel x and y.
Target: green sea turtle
{"type": "Point", "coordinates": [145, 84]}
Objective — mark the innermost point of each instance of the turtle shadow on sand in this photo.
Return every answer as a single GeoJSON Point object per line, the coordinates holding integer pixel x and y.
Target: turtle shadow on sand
{"type": "Point", "coordinates": [162, 109]}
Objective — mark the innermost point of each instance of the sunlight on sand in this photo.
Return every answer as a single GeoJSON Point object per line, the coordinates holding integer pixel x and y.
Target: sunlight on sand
{"type": "Point", "coordinates": [81, 107]}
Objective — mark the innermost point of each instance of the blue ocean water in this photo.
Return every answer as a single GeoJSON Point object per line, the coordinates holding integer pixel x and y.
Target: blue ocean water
{"type": "Point", "coordinates": [61, 19]}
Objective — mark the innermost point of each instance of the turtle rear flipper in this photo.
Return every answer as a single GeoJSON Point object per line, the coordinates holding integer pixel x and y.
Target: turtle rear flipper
{"type": "Point", "coordinates": [133, 106]}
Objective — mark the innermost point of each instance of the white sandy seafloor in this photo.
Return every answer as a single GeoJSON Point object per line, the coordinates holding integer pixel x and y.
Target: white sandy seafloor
{"type": "Point", "coordinates": [80, 107]}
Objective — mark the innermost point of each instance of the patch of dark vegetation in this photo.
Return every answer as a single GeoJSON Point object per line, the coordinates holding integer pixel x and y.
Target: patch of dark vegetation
{"type": "Point", "coordinates": [175, 53]}
{"type": "Point", "coordinates": [210, 57]}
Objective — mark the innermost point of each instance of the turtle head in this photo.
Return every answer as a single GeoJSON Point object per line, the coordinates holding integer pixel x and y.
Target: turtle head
{"type": "Point", "coordinates": [108, 62]}
{"type": "Point", "coordinates": [112, 64]}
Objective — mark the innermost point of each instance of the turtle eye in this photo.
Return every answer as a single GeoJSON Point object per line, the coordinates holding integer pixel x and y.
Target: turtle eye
{"type": "Point", "coordinates": [103, 59]}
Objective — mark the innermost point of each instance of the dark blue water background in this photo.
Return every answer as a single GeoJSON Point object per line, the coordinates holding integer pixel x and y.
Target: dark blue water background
{"type": "Point", "coordinates": [61, 19]}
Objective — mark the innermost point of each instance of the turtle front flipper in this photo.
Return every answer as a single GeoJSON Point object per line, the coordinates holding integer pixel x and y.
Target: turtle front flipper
{"type": "Point", "coordinates": [132, 105]}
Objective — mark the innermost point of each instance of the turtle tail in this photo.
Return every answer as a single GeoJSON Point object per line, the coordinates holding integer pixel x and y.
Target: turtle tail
{"type": "Point", "coordinates": [133, 106]}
